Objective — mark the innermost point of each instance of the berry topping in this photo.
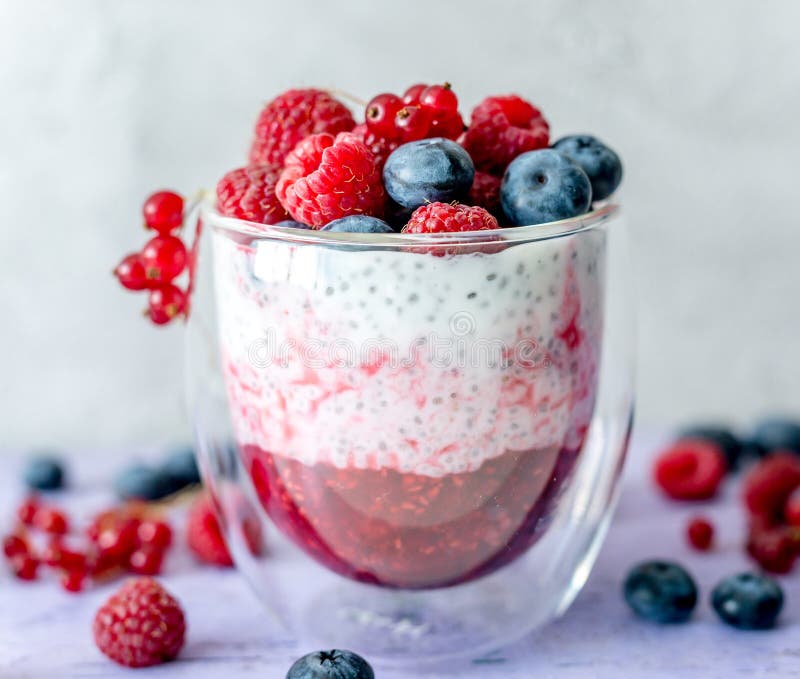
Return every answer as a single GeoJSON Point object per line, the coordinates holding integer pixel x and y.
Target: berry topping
{"type": "Point", "coordinates": [446, 217]}
{"type": "Point", "coordinates": [412, 123]}
{"type": "Point", "coordinates": [769, 484]}
{"type": "Point", "coordinates": [723, 437]}
{"type": "Point", "coordinates": [700, 533]}
{"type": "Point", "coordinates": [290, 118]}
{"type": "Point", "coordinates": [777, 434]}
{"type": "Point", "coordinates": [163, 211]}
{"type": "Point", "coordinates": [660, 591]}
{"type": "Point", "coordinates": [412, 94]}
{"type": "Point", "coordinates": [358, 224]}
{"type": "Point", "coordinates": [165, 303]}
{"type": "Point", "coordinates": [332, 664]}
{"type": "Point", "coordinates": [164, 258]}
{"type": "Point", "coordinates": [600, 163]}
{"type": "Point", "coordinates": [439, 98]}
{"type": "Point", "coordinates": [442, 104]}
{"type": "Point", "coordinates": [501, 129]}
{"type": "Point", "coordinates": [427, 171]}
{"type": "Point", "coordinates": [204, 534]}
{"type": "Point", "coordinates": [131, 274]}
{"type": "Point", "coordinates": [380, 114]}
{"type": "Point", "coordinates": [748, 601]}
{"type": "Point", "coordinates": [44, 473]}
{"type": "Point", "coordinates": [379, 146]}
{"type": "Point", "coordinates": [485, 192]}
{"type": "Point", "coordinates": [140, 625]}
{"type": "Point", "coordinates": [691, 469]}
{"type": "Point", "coordinates": [327, 178]}
{"type": "Point", "coordinates": [544, 186]}
{"type": "Point", "coordinates": [249, 193]}
{"type": "Point", "coordinates": [291, 223]}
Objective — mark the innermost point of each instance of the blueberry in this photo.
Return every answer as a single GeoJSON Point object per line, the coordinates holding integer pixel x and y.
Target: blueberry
{"type": "Point", "coordinates": [44, 472]}
{"type": "Point", "coordinates": [331, 665]}
{"type": "Point", "coordinates": [601, 164]}
{"type": "Point", "coordinates": [293, 224]}
{"type": "Point", "coordinates": [181, 467]}
{"type": "Point", "coordinates": [142, 483]}
{"type": "Point", "coordinates": [777, 433]}
{"type": "Point", "coordinates": [358, 224]}
{"type": "Point", "coordinates": [660, 591]}
{"type": "Point", "coordinates": [723, 437]}
{"type": "Point", "coordinates": [544, 186]}
{"type": "Point", "coordinates": [748, 601]}
{"type": "Point", "coordinates": [428, 171]}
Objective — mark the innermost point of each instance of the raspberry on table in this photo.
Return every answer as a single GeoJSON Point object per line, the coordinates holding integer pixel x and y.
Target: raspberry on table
{"type": "Point", "coordinates": [249, 193]}
{"type": "Point", "coordinates": [691, 469]}
{"type": "Point", "coordinates": [447, 217]}
{"type": "Point", "coordinates": [292, 116]}
{"type": "Point", "coordinates": [141, 625]}
{"type": "Point", "coordinates": [774, 548]}
{"type": "Point", "coordinates": [769, 484]}
{"type": "Point", "coordinates": [502, 128]}
{"type": "Point", "coordinates": [329, 177]}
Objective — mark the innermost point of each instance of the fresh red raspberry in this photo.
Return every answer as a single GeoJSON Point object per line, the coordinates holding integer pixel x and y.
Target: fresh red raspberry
{"type": "Point", "coordinates": [485, 192]}
{"type": "Point", "coordinates": [141, 625]}
{"type": "Point", "coordinates": [249, 193]}
{"type": "Point", "coordinates": [501, 129]}
{"type": "Point", "coordinates": [700, 533]}
{"type": "Point", "coordinates": [769, 484]}
{"type": "Point", "coordinates": [329, 177]}
{"type": "Point", "coordinates": [773, 547]}
{"type": "Point", "coordinates": [380, 146]}
{"type": "Point", "coordinates": [691, 469]}
{"type": "Point", "coordinates": [204, 534]}
{"type": "Point", "coordinates": [447, 217]}
{"type": "Point", "coordinates": [291, 117]}
{"type": "Point", "coordinates": [791, 511]}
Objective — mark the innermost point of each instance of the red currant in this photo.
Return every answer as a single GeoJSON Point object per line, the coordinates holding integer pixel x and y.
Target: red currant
{"type": "Point", "coordinates": [380, 114]}
{"type": "Point", "coordinates": [700, 533]}
{"type": "Point", "coordinates": [51, 520]}
{"type": "Point", "coordinates": [791, 512]}
{"type": "Point", "coordinates": [73, 581]}
{"type": "Point", "coordinates": [26, 512]}
{"type": "Point", "coordinates": [412, 123]}
{"type": "Point", "coordinates": [163, 211]}
{"type": "Point", "coordinates": [412, 94]}
{"type": "Point", "coordinates": [146, 561]}
{"type": "Point", "coordinates": [131, 272]}
{"type": "Point", "coordinates": [118, 541]}
{"type": "Point", "coordinates": [25, 567]}
{"type": "Point", "coordinates": [439, 97]}
{"type": "Point", "coordinates": [166, 303]}
{"type": "Point", "coordinates": [447, 124]}
{"type": "Point", "coordinates": [154, 534]}
{"type": "Point", "coordinates": [164, 258]}
{"type": "Point", "coordinates": [14, 545]}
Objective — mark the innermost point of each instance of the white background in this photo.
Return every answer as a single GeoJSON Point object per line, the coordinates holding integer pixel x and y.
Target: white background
{"type": "Point", "coordinates": [101, 101]}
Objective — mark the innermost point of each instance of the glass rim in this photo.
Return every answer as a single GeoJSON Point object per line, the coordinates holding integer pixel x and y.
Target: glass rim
{"type": "Point", "coordinates": [253, 231]}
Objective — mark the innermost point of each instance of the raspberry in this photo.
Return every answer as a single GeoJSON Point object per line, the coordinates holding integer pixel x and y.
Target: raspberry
{"type": "Point", "coordinates": [249, 193]}
{"type": "Point", "coordinates": [140, 625]}
{"type": "Point", "coordinates": [700, 533]}
{"type": "Point", "coordinates": [204, 535]}
{"type": "Point", "coordinates": [380, 146]}
{"type": "Point", "coordinates": [447, 217]}
{"type": "Point", "coordinates": [291, 117]}
{"type": "Point", "coordinates": [485, 192]}
{"type": "Point", "coordinates": [769, 484]}
{"type": "Point", "coordinates": [791, 511]}
{"type": "Point", "coordinates": [690, 469]}
{"type": "Point", "coordinates": [329, 177]}
{"type": "Point", "coordinates": [774, 548]}
{"type": "Point", "coordinates": [501, 129]}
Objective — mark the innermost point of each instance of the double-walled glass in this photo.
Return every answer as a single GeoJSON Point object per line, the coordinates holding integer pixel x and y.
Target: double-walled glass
{"type": "Point", "coordinates": [428, 430]}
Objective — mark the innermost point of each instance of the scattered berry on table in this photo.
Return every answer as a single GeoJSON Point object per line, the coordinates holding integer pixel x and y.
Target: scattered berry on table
{"type": "Point", "coordinates": [449, 218]}
{"type": "Point", "coordinates": [131, 274]}
{"type": "Point", "coordinates": [142, 483]}
{"type": "Point", "coordinates": [502, 128]}
{"type": "Point", "coordinates": [600, 163]}
{"type": "Point", "coordinates": [166, 303]}
{"type": "Point", "coordinates": [380, 114]}
{"type": "Point", "coordinates": [26, 511]}
{"type": "Point", "coordinates": [690, 469]}
{"type": "Point", "coordinates": [358, 224]}
{"type": "Point", "coordinates": [700, 533]}
{"type": "Point", "coordinates": [722, 436]}
{"type": "Point", "coordinates": [141, 625]}
{"type": "Point", "coordinates": [777, 434]}
{"type": "Point", "coordinates": [146, 561]}
{"type": "Point", "coordinates": [163, 211]}
{"type": "Point", "coordinates": [181, 467]}
{"type": "Point", "coordinates": [249, 193]}
{"type": "Point", "coordinates": [660, 591]}
{"type": "Point", "coordinates": [333, 664]}
{"type": "Point", "coordinates": [14, 545]}
{"type": "Point", "coordinates": [51, 520]}
{"type": "Point", "coordinates": [73, 581]}
{"type": "Point", "coordinates": [748, 601]}
{"type": "Point", "coordinates": [774, 548]}
{"type": "Point", "coordinates": [25, 567]}
{"type": "Point", "coordinates": [326, 178]}
{"type": "Point", "coordinates": [768, 485]}
{"type": "Point", "coordinates": [791, 510]}
{"type": "Point", "coordinates": [293, 116]}
{"type": "Point", "coordinates": [485, 192]}
{"type": "Point", "coordinates": [427, 171]}
{"type": "Point", "coordinates": [154, 533]}
{"type": "Point", "coordinates": [44, 472]}
{"type": "Point", "coordinates": [204, 534]}
{"type": "Point", "coordinates": [544, 186]}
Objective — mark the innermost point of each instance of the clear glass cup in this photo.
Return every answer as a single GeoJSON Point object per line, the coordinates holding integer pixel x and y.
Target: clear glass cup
{"type": "Point", "coordinates": [428, 430]}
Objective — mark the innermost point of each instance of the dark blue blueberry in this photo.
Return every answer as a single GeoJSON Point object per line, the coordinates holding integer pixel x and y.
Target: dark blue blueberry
{"type": "Point", "coordinates": [748, 601]}
{"type": "Point", "coordinates": [293, 224]}
{"type": "Point", "coordinates": [142, 483]}
{"type": "Point", "coordinates": [544, 186]}
{"type": "Point", "coordinates": [777, 433]}
{"type": "Point", "coordinates": [358, 224]}
{"type": "Point", "coordinates": [331, 665]}
{"type": "Point", "coordinates": [660, 591]}
{"type": "Point", "coordinates": [723, 437]}
{"type": "Point", "coordinates": [397, 216]}
{"type": "Point", "coordinates": [600, 163]}
{"type": "Point", "coordinates": [428, 171]}
{"type": "Point", "coordinates": [44, 472]}
{"type": "Point", "coordinates": [181, 467]}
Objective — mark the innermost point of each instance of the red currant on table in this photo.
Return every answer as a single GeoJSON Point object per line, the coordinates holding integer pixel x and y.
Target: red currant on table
{"type": "Point", "coordinates": [164, 258]}
{"type": "Point", "coordinates": [412, 94]}
{"type": "Point", "coordinates": [439, 97]}
{"type": "Point", "coordinates": [380, 114]}
{"type": "Point", "coordinates": [25, 567]}
{"type": "Point", "coordinates": [154, 534]}
{"type": "Point", "coordinates": [27, 511]}
{"type": "Point", "coordinates": [51, 520]}
{"type": "Point", "coordinates": [14, 545]}
{"type": "Point", "coordinates": [166, 303]}
{"type": "Point", "coordinates": [131, 272]}
{"type": "Point", "coordinates": [73, 581]}
{"type": "Point", "coordinates": [146, 561]}
{"type": "Point", "coordinates": [700, 533]}
{"type": "Point", "coordinates": [412, 123]}
{"type": "Point", "coordinates": [163, 211]}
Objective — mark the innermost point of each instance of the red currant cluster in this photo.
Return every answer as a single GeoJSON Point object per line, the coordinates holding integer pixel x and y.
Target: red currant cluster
{"type": "Point", "coordinates": [129, 539]}
{"type": "Point", "coordinates": [161, 261]}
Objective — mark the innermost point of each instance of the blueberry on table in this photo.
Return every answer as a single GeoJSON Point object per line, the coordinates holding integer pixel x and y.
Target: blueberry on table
{"type": "Point", "coordinates": [181, 468]}
{"type": "Point", "coordinates": [44, 472]}
{"type": "Point", "coordinates": [728, 442]}
{"type": "Point", "coordinates": [660, 591]}
{"type": "Point", "coordinates": [433, 170]}
{"type": "Point", "coordinates": [331, 665]}
{"type": "Point", "coordinates": [600, 163]}
{"type": "Point", "coordinates": [777, 433]}
{"type": "Point", "coordinates": [358, 224]}
{"type": "Point", "coordinates": [748, 601]}
{"type": "Point", "coordinates": [544, 186]}
{"type": "Point", "coordinates": [142, 483]}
